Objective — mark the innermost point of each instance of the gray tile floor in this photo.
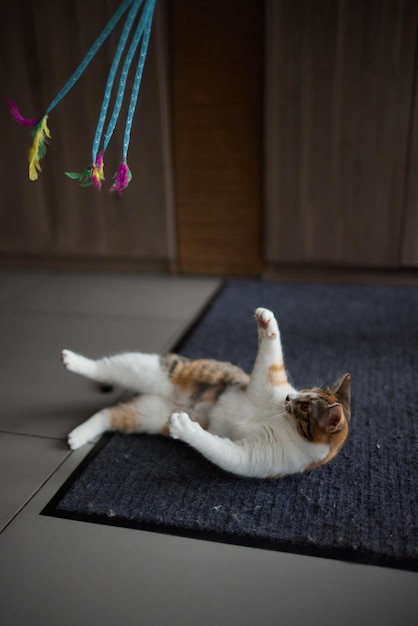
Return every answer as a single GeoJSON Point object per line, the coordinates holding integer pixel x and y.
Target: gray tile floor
{"type": "Point", "coordinates": [55, 571]}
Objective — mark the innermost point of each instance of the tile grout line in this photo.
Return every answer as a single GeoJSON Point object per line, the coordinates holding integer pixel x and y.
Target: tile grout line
{"type": "Point", "coordinates": [35, 492]}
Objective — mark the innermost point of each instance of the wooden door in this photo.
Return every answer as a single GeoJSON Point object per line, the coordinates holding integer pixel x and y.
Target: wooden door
{"type": "Point", "coordinates": [217, 118]}
{"type": "Point", "coordinates": [339, 85]}
{"type": "Point", "coordinates": [409, 239]}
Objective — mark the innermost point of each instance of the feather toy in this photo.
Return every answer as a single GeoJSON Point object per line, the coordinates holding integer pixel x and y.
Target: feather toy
{"type": "Point", "coordinates": [94, 173]}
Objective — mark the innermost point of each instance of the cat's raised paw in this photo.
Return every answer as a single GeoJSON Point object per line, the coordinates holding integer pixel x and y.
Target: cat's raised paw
{"type": "Point", "coordinates": [266, 322]}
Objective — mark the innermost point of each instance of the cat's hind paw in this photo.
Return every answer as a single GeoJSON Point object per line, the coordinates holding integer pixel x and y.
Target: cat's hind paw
{"type": "Point", "coordinates": [69, 360]}
{"type": "Point", "coordinates": [77, 438]}
{"type": "Point", "coordinates": [266, 323]}
{"type": "Point", "coordinates": [78, 364]}
{"type": "Point", "coordinates": [180, 425]}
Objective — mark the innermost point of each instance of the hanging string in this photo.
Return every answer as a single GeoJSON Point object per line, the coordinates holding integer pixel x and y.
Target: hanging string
{"type": "Point", "coordinates": [90, 55]}
{"type": "Point", "coordinates": [123, 78]}
{"type": "Point", "coordinates": [123, 175]}
{"type": "Point", "coordinates": [111, 78]}
{"type": "Point", "coordinates": [40, 132]}
{"type": "Point", "coordinates": [94, 174]}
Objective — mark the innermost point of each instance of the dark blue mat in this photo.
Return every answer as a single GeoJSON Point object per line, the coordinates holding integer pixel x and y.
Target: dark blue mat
{"type": "Point", "coordinates": [362, 506]}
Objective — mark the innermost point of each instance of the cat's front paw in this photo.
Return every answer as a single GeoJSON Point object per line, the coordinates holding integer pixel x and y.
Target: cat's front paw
{"type": "Point", "coordinates": [181, 426]}
{"type": "Point", "coordinates": [266, 323]}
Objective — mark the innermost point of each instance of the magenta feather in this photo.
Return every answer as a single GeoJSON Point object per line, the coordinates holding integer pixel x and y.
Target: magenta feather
{"type": "Point", "coordinates": [122, 178]}
{"type": "Point", "coordinates": [16, 115]}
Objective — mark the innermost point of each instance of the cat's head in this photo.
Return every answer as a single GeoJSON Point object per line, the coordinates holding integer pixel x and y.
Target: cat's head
{"type": "Point", "coordinates": [322, 415]}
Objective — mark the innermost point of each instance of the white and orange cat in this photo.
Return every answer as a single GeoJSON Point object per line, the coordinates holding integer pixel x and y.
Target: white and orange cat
{"type": "Point", "coordinates": [256, 425]}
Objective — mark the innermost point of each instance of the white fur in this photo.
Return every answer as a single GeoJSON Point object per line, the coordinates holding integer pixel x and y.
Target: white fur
{"type": "Point", "coordinates": [249, 432]}
{"type": "Point", "coordinates": [89, 430]}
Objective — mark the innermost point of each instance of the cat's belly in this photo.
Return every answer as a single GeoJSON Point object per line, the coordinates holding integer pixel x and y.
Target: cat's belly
{"type": "Point", "coordinates": [233, 416]}
{"type": "Point", "coordinates": [237, 414]}
{"type": "Point", "coordinates": [197, 411]}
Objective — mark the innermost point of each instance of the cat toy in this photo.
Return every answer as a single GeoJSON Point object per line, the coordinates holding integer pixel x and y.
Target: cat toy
{"type": "Point", "coordinates": [94, 173]}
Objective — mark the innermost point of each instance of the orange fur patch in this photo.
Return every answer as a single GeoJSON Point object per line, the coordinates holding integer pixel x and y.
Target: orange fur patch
{"type": "Point", "coordinates": [276, 375]}
{"type": "Point", "coordinates": [165, 430]}
{"type": "Point", "coordinates": [335, 448]}
{"type": "Point", "coordinates": [209, 396]}
{"type": "Point", "coordinates": [205, 371]}
{"type": "Point", "coordinates": [124, 417]}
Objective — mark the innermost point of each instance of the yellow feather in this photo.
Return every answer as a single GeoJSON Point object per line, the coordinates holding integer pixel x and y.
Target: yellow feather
{"type": "Point", "coordinates": [34, 165]}
{"type": "Point", "coordinates": [45, 127]}
{"type": "Point", "coordinates": [37, 149]}
{"type": "Point", "coordinates": [97, 172]}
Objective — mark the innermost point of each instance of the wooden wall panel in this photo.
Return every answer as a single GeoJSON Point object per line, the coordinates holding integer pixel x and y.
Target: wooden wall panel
{"type": "Point", "coordinates": [24, 213]}
{"type": "Point", "coordinates": [409, 239]}
{"type": "Point", "coordinates": [338, 96]}
{"type": "Point", "coordinates": [217, 89]}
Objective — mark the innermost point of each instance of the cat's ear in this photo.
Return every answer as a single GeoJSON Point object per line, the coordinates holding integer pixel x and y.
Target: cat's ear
{"type": "Point", "coordinates": [334, 420]}
{"type": "Point", "coordinates": [341, 389]}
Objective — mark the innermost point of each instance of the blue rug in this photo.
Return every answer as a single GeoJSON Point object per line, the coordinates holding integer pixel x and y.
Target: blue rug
{"type": "Point", "coordinates": [363, 506]}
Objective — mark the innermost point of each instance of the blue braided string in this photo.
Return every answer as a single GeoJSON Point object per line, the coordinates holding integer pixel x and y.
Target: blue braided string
{"type": "Point", "coordinates": [89, 56]}
{"type": "Point", "coordinates": [149, 10]}
{"type": "Point", "coordinates": [111, 77]}
{"type": "Point", "coordinates": [124, 75]}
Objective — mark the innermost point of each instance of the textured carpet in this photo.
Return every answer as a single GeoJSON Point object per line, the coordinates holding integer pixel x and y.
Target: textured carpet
{"type": "Point", "coordinates": [363, 506]}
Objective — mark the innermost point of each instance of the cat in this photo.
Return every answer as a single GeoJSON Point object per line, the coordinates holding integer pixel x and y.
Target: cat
{"type": "Point", "coordinates": [254, 426]}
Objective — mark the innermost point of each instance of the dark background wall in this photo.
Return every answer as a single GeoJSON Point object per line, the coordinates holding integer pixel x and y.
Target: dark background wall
{"type": "Point", "coordinates": [267, 134]}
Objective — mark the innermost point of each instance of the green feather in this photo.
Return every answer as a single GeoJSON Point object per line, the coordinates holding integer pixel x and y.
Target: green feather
{"type": "Point", "coordinates": [84, 178]}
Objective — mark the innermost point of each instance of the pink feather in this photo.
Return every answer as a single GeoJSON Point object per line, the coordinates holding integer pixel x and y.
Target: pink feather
{"type": "Point", "coordinates": [122, 178]}
{"type": "Point", "coordinates": [14, 111]}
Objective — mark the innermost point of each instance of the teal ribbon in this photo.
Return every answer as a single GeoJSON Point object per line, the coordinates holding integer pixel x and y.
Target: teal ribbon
{"type": "Point", "coordinates": [111, 79]}
{"type": "Point", "coordinates": [90, 54]}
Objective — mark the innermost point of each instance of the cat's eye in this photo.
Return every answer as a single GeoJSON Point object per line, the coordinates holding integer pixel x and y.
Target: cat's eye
{"type": "Point", "coordinates": [304, 406]}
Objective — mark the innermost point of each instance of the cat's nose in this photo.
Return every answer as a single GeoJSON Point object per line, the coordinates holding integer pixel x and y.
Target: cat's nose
{"type": "Point", "coordinates": [287, 398]}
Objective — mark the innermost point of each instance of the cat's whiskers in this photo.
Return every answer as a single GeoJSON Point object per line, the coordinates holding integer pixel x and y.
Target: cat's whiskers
{"type": "Point", "coordinates": [276, 410]}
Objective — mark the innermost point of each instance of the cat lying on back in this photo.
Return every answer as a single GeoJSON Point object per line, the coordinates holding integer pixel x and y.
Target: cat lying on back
{"type": "Point", "coordinates": [256, 425]}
